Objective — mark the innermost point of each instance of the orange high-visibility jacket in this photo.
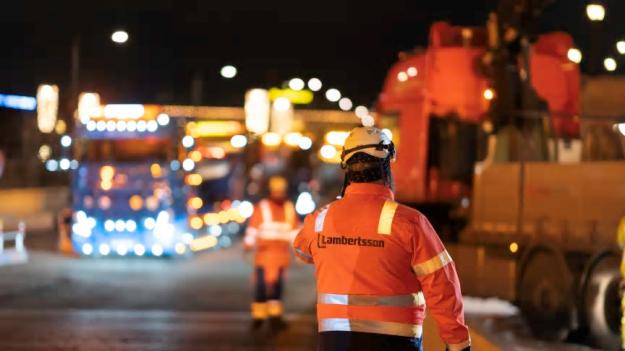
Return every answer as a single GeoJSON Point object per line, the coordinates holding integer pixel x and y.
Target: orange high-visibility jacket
{"type": "Point", "coordinates": [271, 231]}
{"type": "Point", "coordinates": [377, 263]}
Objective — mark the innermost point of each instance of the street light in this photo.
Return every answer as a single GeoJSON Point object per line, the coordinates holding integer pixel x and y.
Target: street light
{"type": "Point", "coordinates": [574, 55]}
{"type": "Point", "coordinates": [609, 64]}
{"type": "Point", "coordinates": [595, 12]}
{"type": "Point", "coordinates": [228, 71]}
{"type": "Point", "coordinates": [119, 36]}
{"type": "Point", "coordinates": [620, 47]}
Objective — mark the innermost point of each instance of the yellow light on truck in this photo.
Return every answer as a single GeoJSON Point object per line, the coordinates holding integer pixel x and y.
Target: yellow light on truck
{"type": "Point", "coordinates": [203, 243]}
{"type": "Point", "coordinates": [156, 171]}
{"type": "Point", "coordinates": [195, 203]}
{"type": "Point", "coordinates": [211, 219]}
{"type": "Point", "coordinates": [514, 247]}
{"type": "Point", "coordinates": [489, 94]}
{"type": "Point", "coordinates": [195, 155]}
{"type": "Point", "coordinates": [196, 222]}
{"type": "Point", "coordinates": [194, 179]}
{"type": "Point", "coordinates": [204, 129]}
{"type": "Point", "coordinates": [107, 172]}
{"type": "Point", "coordinates": [135, 202]}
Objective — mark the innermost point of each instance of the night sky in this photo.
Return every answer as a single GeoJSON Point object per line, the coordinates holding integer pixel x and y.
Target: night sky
{"type": "Point", "coordinates": [347, 44]}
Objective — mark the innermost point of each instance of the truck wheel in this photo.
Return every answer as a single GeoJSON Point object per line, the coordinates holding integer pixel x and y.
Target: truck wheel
{"type": "Point", "coordinates": [545, 296]}
{"type": "Point", "coordinates": [601, 302]}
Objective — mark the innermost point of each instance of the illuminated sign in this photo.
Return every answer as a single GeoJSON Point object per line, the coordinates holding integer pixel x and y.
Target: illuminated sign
{"type": "Point", "coordinates": [47, 107]}
{"type": "Point", "coordinates": [214, 129]}
{"type": "Point", "coordinates": [257, 109]}
{"type": "Point", "coordinates": [299, 97]}
{"type": "Point", "coordinates": [18, 102]}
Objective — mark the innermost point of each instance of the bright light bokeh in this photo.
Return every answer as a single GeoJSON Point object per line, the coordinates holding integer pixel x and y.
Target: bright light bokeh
{"type": "Point", "coordinates": [238, 141]}
{"type": "Point", "coordinates": [297, 84]}
{"type": "Point", "coordinates": [314, 84]}
{"type": "Point", "coordinates": [574, 55]}
{"type": "Point", "coordinates": [304, 204]}
{"type": "Point", "coordinates": [163, 119]}
{"type": "Point", "coordinates": [345, 104]}
{"type": "Point", "coordinates": [281, 104]}
{"type": "Point", "coordinates": [293, 138]}
{"type": "Point", "coordinates": [246, 209]}
{"type": "Point", "coordinates": [402, 76]}
{"type": "Point", "coordinates": [610, 64]}
{"type": "Point", "coordinates": [333, 95]}
{"type": "Point", "coordinates": [336, 138]}
{"type": "Point", "coordinates": [595, 12]}
{"type": "Point", "coordinates": [305, 143]}
{"type": "Point", "coordinates": [120, 36]}
{"type": "Point", "coordinates": [328, 151]}
{"type": "Point", "coordinates": [188, 141]}
{"type": "Point", "coordinates": [361, 111]}
{"type": "Point", "coordinates": [488, 94]}
{"type": "Point", "coordinates": [228, 71]}
{"type": "Point", "coordinates": [620, 47]}
{"type": "Point", "coordinates": [271, 139]}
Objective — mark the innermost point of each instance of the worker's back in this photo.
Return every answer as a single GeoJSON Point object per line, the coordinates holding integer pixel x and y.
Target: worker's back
{"type": "Point", "coordinates": [375, 261]}
{"type": "Point", "coordinates": [359, 243]}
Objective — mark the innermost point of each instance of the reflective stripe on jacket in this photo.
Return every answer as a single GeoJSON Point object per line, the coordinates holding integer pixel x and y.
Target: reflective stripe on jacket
{"type": "Point", "coordinates": [377, 263]}
{"type": "Point", "coordinates": [271, 231]}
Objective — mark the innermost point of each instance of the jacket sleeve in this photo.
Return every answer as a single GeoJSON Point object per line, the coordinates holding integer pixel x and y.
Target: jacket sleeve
{"type": "Point", "coordinates": [436, 272]}
{"type": "Point", "coordinates": [251, 233]}
{"type": "Point", "coordinates": [304, 239]}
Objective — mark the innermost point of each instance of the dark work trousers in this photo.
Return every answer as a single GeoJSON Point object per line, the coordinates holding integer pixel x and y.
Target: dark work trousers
{"type": "Point", "coordinates": [264, 290]}
{"type": "Point", "coordinates": [355, 341]}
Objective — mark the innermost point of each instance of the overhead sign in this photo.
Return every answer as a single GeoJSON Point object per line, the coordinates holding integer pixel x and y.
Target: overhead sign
{"type": "Point", "coordinates": [203, 129]}
{"type": "Point", "coordinates": [257, 109]}
{"type": "Point", "coordinates": [18, 102]}
{"type": "Point", "coordinates": [47, 107]}
{"type": "Point", "coordinates": [298, 97]}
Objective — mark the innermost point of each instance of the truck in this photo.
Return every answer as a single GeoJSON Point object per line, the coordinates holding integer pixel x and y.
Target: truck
{"type": "Point", "coordinates": [128, 195]}
{"type": "Point", "coordinates": [527, 191]}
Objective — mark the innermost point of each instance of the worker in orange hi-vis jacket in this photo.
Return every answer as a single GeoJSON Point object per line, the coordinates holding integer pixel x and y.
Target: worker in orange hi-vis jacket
{"type": "Point", "coordinates": [270, 233]}
{"type": "Point", "coordinates": [378, 262]}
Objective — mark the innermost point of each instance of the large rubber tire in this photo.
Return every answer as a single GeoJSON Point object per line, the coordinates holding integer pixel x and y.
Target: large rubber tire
{"type": "Point", "coordinates": [602, 303]}
{"type": "Point", "coordinates": [545, 296]}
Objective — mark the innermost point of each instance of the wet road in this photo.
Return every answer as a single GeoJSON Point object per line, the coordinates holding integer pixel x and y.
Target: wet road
{"type": "Point", "coordinates": [64, 303]}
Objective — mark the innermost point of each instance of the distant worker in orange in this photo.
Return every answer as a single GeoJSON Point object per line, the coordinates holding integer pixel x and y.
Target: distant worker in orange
{"type": "Point", "coordinates": [378, 262]}
{"type": "Point", "coordinates": [270, 233]}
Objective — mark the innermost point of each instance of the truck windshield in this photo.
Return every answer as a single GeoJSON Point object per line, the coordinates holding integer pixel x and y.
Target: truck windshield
{"type": "Point", "coordinates": [128, 150]}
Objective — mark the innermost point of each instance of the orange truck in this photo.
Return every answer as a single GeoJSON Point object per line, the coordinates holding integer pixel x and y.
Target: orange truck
{"type": "Point", "coordinates": [528, 202]}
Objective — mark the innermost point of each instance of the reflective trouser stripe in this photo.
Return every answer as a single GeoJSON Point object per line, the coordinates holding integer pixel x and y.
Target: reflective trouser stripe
{"type": "Point", "coordinates": [409, 300]}
{"type": "Point", "coordinates": [274, 308]}
{"type": "Point", "coordinates": [369, 326]}
{"type": "Point", "coordinates": [259, 310]}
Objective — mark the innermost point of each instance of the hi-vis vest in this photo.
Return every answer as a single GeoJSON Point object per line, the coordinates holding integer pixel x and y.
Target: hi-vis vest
{"type": "Point", "coordinates": [377, 263]}
{"type": "Point", "coordinates": [266, 227]}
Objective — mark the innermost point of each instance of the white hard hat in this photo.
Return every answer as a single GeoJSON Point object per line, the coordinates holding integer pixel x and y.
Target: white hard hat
{"type": "Point", "coordinates": [369, 140]}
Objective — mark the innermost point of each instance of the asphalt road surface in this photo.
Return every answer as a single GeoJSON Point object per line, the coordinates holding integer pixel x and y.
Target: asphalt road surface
{"type": "Point", "coordinates": [56, 302]}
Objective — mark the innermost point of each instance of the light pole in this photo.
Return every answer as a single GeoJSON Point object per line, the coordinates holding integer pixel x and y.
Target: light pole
{"type": "Point", "coordinates": [596, 14]}
{"type": "Point", "coordinates": [119, 37]}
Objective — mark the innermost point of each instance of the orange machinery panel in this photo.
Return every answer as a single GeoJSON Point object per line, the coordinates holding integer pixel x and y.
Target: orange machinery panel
{"type": "Point", "coordinates": [443, 80]}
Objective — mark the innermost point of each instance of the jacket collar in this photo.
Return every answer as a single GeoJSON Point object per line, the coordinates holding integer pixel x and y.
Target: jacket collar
{"type": "Point", "coordinates": [371, 189]}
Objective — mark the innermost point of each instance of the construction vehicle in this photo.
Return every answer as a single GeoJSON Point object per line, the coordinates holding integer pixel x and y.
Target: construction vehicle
{"type": "Point", "coordinates": [528, 192]}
